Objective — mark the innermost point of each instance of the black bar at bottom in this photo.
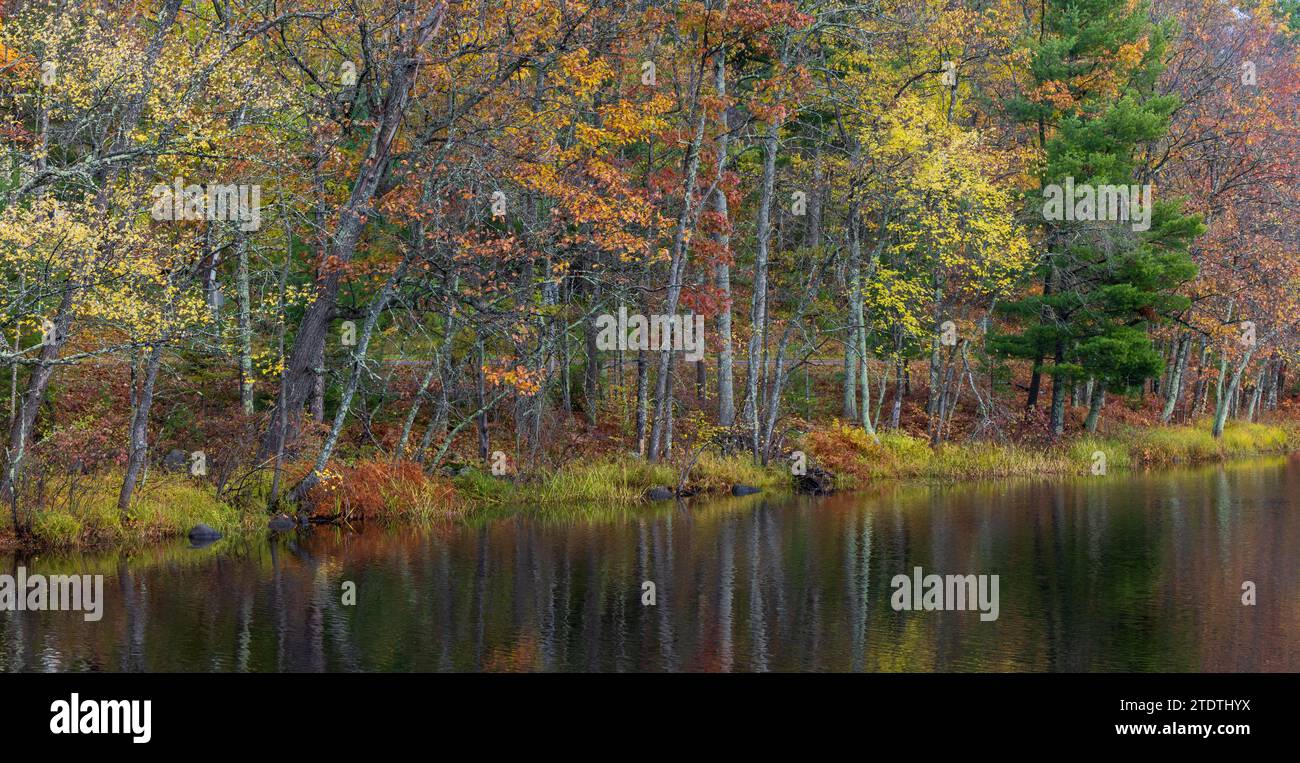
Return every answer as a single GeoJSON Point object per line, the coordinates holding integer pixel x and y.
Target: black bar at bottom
{"type": "Point", "coordinates": [333, 713]}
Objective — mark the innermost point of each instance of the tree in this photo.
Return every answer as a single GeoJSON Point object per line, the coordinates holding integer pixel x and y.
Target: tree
{"type": "Point", "coordinates": [1091, 97]}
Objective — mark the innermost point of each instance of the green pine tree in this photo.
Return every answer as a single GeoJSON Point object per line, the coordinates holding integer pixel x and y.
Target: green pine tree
{"type": "Point", "coordinates": [1105, 281]}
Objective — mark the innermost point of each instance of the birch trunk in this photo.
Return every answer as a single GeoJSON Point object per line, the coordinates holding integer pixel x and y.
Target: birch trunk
{"type": "Point", "coordinates": [138, 449]}
{"type": "Point", "coordinates": [758, 305]}
{"type": "Point", "coordinates": [722, 273]}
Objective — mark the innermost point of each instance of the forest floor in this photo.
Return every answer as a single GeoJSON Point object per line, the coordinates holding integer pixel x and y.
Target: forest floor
{"type": "Point", "coordinates": [84, 513]}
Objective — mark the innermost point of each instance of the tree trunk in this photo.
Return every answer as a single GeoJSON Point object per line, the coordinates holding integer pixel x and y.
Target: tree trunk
{"type": "Point", "coordinates": [400, 452]}
{"type": "Point", "coordinates": [849, 411]}
{"type": "Point", "coordinates": [591, 360]}
{"type": "Point", "coordinates": [722, 272]}
{"type": "Point", "coordinates": [37, 382]}
{"type": "Point", "coordinates": [676, 273]}
{"type": "Point", "coordinates": [1095, 402]}
{"type": "Point", "coordinates": [297, 380]}
{"type": "Point", "coordinates": [896, 408]}
{"type": "Point", "coordinates": [936, 358]}
{"type": "Point", "coordinates": [373, 312]}
{"type": "Point", "coordinates": [1175, 387]}
{"type": "Point", "coordinates": [1202, 387]}
{"type": "Point", "coordinates": [1221, 409]}
{"type": "Point", "coordinates": [480, 417]}
{"type": "Point", "coordinates": [1036, 379]}
{"type": "Point", "coordinates": [245, 330]}
{"type": "Point", "coordinates": [1058, 395]}
{"type": "Point", "coordinates": [1278, 383]}
{"type": "Point", "coordinates": [138, 449]}
{"type": "Point", "coordinates": [853, 271]}
{"type": "Point", "coordinates": [780, 374]}
{"type": "Point", "coordinates": [758, 305]}
{"type": "Point", "coordinates": [642, 399]}
{"type": "Point", "coordinates": [857, 301]}
{"type": "Point", "coordinates": [1257, 392]}
{"type": "Point", "coordinates": [438, 424]}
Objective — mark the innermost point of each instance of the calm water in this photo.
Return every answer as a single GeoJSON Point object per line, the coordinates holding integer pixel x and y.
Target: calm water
{"type": "Point", "coordinates": [1135, 573]}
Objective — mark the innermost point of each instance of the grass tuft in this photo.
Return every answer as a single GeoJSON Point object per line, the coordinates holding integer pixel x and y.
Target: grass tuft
{"type": "Point", "coordinates": [857, 459]}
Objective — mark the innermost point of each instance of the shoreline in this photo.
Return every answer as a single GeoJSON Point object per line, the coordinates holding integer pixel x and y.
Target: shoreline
{"type": "Point", "coordinates": [382, 493]}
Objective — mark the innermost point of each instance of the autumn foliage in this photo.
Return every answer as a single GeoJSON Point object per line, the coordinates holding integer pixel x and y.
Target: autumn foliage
{"type": "Point", "coordinates": [452, 194]}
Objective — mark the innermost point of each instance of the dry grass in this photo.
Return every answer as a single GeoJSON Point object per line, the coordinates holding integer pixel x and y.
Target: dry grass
{"type": "Point", "coordinates": [858, 460]}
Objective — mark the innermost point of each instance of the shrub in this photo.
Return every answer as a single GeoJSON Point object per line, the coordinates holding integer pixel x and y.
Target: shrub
{"type": "Point", "coordinates": [854, 457]}
{"type": "Point", "coordinates": [381, 490]}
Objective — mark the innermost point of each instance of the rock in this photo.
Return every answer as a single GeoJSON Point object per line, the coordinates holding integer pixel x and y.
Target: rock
{"type": "Point", "coordinates": [659, 494]}
{"type": "Point", "coordinates": [176, 460]}
{"type": "Point", "coordinates": [739, 490]}
{"type": "Point", "coordinates": [202, 532]}
{"type": "Point", "coordinates": [281, 523]}
{"type": "Point", "coordinates": [816, 481]}
{"type": "Point", "coordinates": [453, 468]}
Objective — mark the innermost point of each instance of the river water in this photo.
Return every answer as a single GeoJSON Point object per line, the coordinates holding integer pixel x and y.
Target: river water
{"type": "Point", "coordinates": [1142, 572]}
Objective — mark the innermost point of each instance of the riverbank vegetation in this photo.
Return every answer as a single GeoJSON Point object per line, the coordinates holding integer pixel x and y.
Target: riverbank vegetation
{"type": "Point", "coordinates": [379, 492]}
{"type": "Point", "coordinates": [859, 461]}
{"type": "Point", "coordinates": [258, 261]}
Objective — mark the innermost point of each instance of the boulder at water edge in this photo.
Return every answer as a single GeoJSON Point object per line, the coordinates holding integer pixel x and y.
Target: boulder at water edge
{"type": "Point", "coordinates": [817, 481]}
{"type": "Point", "coordinates": [202, 532]}
{"type": "Point", "coordinates": [281, 523]}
